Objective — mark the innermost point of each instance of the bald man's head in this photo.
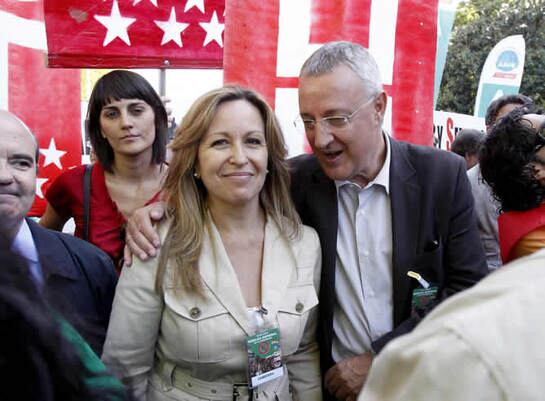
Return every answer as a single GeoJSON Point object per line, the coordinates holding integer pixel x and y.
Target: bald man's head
{"type": "Point", "coordinates": [18, 160]}
{"type": "Point", "coordinates": [6, 117]}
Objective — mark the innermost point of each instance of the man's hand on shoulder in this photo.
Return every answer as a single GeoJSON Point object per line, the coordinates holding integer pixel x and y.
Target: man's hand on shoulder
{"type": "Point", "coordinates": [346, 378]}
{"type": "Point", "coordinates": [141, 236]}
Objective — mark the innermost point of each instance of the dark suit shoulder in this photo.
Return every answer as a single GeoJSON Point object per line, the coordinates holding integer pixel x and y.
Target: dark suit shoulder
{"type": "Point", "coordinates": [80, 281]}
{"type": "Point", "coordinates": [429, 163]}
{"type": "Point", "coordinates": [305, 171]}
{"type": "Point", "coordinates": [427, 154]}
{"type": "Point", "coordinates": [303, 165]}
{"type": "Point", "coordinates": [63, 247]}
{"type": "Point", "coordinates": [84, 249]}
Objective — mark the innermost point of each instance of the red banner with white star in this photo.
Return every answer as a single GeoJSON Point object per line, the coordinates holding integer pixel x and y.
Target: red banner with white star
{"type": "Point", "coordinates": [401, 35]}
{"type": "Point", "coordinates": [47, 100]}
{"type": "Point", "coordinates": [135, 33]}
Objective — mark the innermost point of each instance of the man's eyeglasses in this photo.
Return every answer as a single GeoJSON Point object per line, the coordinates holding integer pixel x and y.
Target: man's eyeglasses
{"type": "Point", "coordinates": [337, 122]}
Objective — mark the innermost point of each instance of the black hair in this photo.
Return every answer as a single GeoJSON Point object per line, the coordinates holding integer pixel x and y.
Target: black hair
{"type": "Point", "coordinates": [495, 106]}
{"type": "Point", "coordinates": [467, 142]}
{"type": "Point", "coordinates": [36, 361]}
{"type": "Point", "coordinates": [117, 85]}
{"type": "Point", "coordinates": [505, 160]}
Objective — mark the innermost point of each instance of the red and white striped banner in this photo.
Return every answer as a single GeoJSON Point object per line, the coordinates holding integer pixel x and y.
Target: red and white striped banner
{"type": "Point", "coordinates": [48, 101]}
{"type": "Point", "coordinates": [267, 42]}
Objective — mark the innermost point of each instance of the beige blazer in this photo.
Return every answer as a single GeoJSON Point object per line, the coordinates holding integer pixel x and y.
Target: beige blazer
{"type": "Point", "coordinates": [162, 347]}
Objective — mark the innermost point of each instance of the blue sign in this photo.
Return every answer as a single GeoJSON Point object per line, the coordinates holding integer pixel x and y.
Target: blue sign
{"type": "Point", "coordinates": [507, 61]}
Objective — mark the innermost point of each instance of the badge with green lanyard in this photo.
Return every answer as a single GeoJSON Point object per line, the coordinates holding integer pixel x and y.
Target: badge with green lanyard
{"type": "Point", "coordinates": [422, 297]}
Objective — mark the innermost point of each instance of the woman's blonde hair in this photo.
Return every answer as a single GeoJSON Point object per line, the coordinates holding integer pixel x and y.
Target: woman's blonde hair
{"type": "Point", "coordinates": [186, 195]}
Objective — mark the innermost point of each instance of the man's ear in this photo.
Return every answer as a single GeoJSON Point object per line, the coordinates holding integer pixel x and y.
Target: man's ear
{"type": "Point", "coordinates": [471, 160]}
{"type": "Point", "coordinates": [380, 106]}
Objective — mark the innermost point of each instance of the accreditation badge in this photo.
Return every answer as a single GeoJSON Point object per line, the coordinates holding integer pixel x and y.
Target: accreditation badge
{"type": "Point", "coordinates": [422, 300]}
{"type": "Point", "coordinates": [264, 357]}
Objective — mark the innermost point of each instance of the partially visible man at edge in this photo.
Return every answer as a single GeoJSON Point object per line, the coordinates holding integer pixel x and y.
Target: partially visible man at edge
{"type": "Point", "coordinates": [76, 278]}
{"type": "Point", "coordinates": [467, 144]}
{"type": "Point", "coordinates": [381, 207]}
{"type": "Point", "coordinates": [486, 207]}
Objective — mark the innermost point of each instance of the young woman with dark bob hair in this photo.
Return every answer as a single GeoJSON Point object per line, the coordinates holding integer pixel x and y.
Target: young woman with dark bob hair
{"type": "Point", "coordinates": [512, 162]}
{"type": "Point", "coordinates": [127, 125]}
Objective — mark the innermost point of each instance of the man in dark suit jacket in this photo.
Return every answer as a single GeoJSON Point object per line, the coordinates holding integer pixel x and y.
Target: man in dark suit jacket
{"type": "Point", "coordinates": [422, 197]}
{"type": "Point", "coordinates": [76, 277]}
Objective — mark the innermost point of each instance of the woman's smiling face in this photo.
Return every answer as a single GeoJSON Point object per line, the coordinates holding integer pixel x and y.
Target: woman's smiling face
{"type": "Point", "coordinates": [232, 156]}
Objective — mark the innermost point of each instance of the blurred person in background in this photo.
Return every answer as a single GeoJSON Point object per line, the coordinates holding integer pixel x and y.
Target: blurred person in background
{"type": "Point", "coordinates": [42, 357]}
{"type": "Point", "coordinates": [485, 344]}
{"type": "Point", "coordinates": [486, 207]}
{"type": "Point", "coordinates": [513, 164]}
{"type": "Point", "coordinates": [467, 144]}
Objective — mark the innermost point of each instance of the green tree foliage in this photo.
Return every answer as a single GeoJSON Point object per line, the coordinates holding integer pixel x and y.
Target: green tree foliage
{"type": "Point", "coordinates": [479, 25]}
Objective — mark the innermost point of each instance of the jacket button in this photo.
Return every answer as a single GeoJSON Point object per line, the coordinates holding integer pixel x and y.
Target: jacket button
{"type": "Point", "coordinates": [299, 307]}
{"type": "Point", "coordinates": [195, 312]}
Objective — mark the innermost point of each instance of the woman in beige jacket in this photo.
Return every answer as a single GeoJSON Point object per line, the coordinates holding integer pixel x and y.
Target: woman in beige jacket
{"type": "Point", "coordinates": [235, 263]}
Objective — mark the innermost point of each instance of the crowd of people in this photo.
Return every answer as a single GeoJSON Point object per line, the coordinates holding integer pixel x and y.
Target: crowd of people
{"type": "Point", "coordinates": [337, 265]}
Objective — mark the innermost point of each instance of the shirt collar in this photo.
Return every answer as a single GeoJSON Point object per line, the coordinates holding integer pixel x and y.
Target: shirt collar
{"type": "Point", "coordinates": [383, 176]}
{"type": "Point", "coordinates": [23, 244]}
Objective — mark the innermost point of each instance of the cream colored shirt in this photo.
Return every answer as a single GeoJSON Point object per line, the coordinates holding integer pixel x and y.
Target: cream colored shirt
{"type": "Point", "coordinates": [363, 275]}
{"type": "Point", "coordinates": [485, 343]}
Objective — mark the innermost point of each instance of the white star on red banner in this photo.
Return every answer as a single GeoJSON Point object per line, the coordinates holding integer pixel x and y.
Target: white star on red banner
{"type": "Point", "coordinates": [52, 155]}
{"type": "Point", "coordinates": [135, 33]}
{"type": "Point", "coordinates": [194, 3]}
{"type": "Point", "coordinates": [213, 30]}
{"type": "Point", "coordinates": [154, 2]}
{"type": "Point", "coordinates": [39, 183]}
{"type": "Point", "coordinates": [172, 29]}
{"type": "Point", "coordinates": [116, 25]}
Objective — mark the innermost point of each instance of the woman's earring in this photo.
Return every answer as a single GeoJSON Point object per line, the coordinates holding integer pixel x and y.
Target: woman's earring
{"type": "Point", "coordinates": [196, 175]}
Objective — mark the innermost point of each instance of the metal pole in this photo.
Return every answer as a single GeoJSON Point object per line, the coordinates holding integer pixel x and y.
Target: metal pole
{"type": "Point", "coordinates": [162, 81]}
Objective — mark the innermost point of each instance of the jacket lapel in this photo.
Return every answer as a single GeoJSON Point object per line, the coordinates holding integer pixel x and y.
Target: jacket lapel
{"type": "Point", "coordinates": [321, 201]}
{"type": "Point", "coordinates": [54, 259]}
{"type": "Point", "coordinates": [405, 203]}
{"type": "Point", "coordinates": [278, 268]}
{"type": "Point", "coordinates": [220, 277]}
